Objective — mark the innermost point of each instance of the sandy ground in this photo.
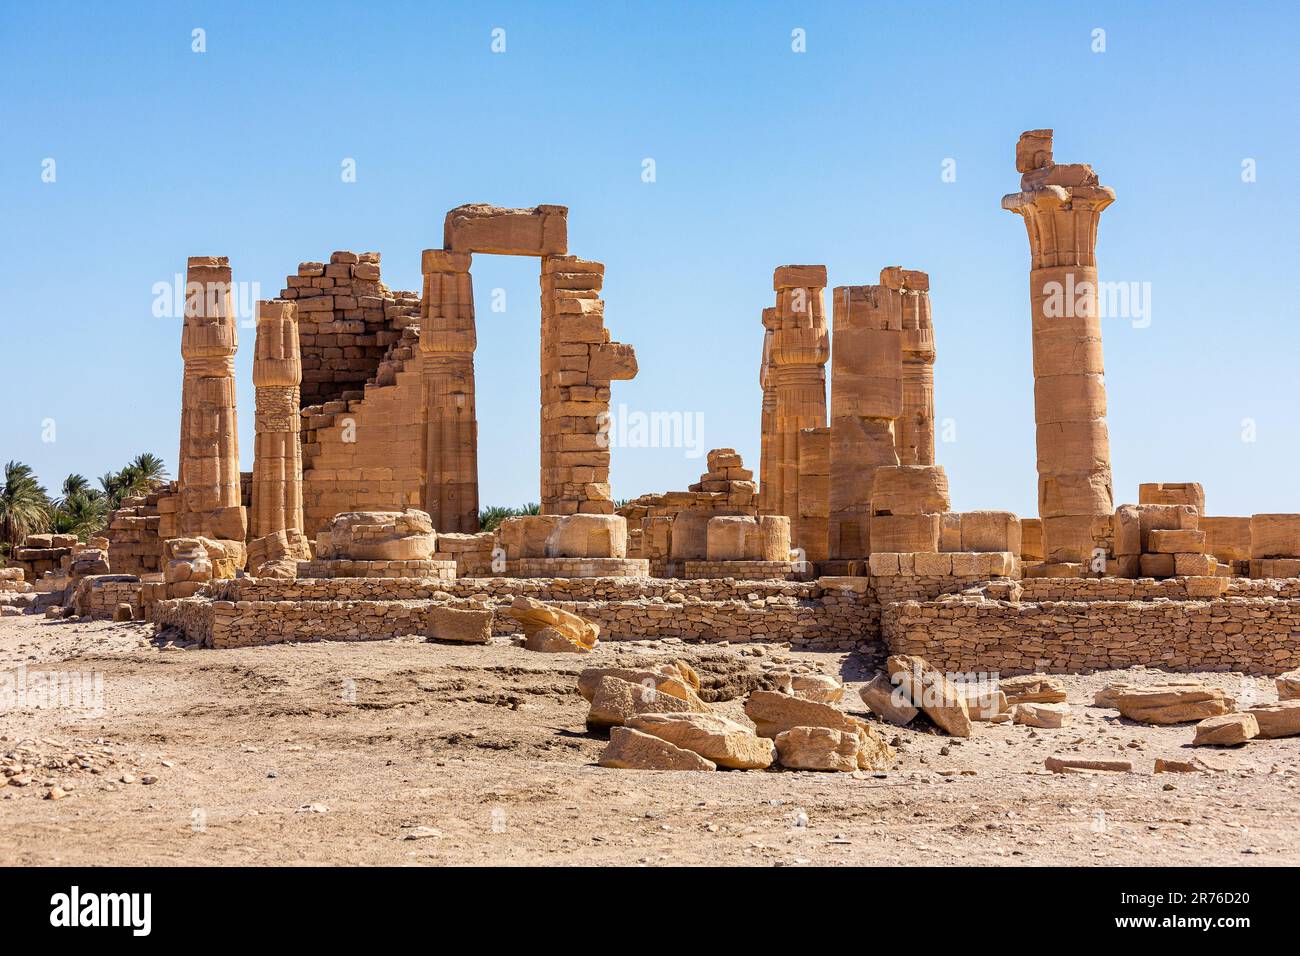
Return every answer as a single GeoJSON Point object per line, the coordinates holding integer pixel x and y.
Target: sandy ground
{"type": "Point", "coordinates": [406, 752]}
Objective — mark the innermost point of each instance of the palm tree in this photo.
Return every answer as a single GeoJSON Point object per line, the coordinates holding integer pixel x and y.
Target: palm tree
{"type": "Point", "coordinates": [81, 514]}
{"type": "Point", "coordinates": [24, 506]}
{"type": "Point", "coordinates": [73, 485]}
{"type": "Point", "coordinates": [490, 518]}
{"type": "Point", "coordinates": [150, 468]}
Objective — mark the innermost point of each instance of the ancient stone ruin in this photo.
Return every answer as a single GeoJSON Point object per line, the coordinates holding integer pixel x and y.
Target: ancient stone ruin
{"type": "Point", "coordinates": [360, 518]}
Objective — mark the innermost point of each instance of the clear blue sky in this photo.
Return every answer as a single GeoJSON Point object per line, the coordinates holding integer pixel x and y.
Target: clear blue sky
{"type": "Point", "coordinates": [763, 156]}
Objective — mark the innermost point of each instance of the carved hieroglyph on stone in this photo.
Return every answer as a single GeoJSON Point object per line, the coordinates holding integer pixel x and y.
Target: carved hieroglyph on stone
{"type": "Point", "coordinates": [277, 452]}
{"type": "Point", "coordinates": [447, 342]}
{"type": "Point", "coordinates": [1061, 205]}
{"type": "Point", "coordinates": [799, 350]}
{"type": "Point", "coordinates": [208, 469]}
{"type": "Point", "coordinates": [866, 401]}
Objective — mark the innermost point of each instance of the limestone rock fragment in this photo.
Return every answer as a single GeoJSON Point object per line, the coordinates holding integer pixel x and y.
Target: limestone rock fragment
{"type": "Point", "coordinates": [1226, 730]}
{"type": "Point", "coordinates": [1173, 703]}
{"type": "Point", "coordinates": [630, 749]}
{"type": "Point", "coordinates": [1033, 689]}
{"type": "Point", "coordinates": [715, 738]}
{"type": "Point", "coordinates": [888, 701]}
{"type": "Point", "coordinates": [1040, 715]}
{"type": "Point", "coordinates": [818, 748]}
{"type": "Point", "coordinates": [552, 629]}
{"type": "Point", "coordinates": [930, 690]}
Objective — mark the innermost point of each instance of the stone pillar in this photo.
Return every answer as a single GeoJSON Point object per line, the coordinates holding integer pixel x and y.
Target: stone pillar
{"type": "Point", "coordinates": [1061, 205]}
{"type": "Point", "coordinates": [811, 526]}
{"type": "Point", "coordinates": [767, 419]}
{"type": "Point", "coordinates": [277, 452]}
{"type": "Point", "coordinates": [800, 348]}
{"type": "Point", "coordinates": [866, 400]}
{"type": "Point", "coordinates": [914, 430]}
{"type": "Point", "coordinates": [208, 464]}
{"type": "Point", "coordinates": [447, 341]}
{"type": "Point", "coordinates": [578, 364]}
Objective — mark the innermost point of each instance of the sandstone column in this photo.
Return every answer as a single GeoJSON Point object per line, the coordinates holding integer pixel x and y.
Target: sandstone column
{"type": "Point", "coordinates": [1061, 205]}
{"type": "Point", "coordinates": [277, 453]}
{"type": "Point", "coordinates": [800, 348]}
{"type": "Point", "coordinates": [914, 430]}
{"type": "Point", "coordinates": [866, 400]}
{"type": "Point", "coordinates": [208, 464]}
{"type": "Point", "coordinates": [447, 342]}
{"type": "Point", "coordinates": [767, 419]}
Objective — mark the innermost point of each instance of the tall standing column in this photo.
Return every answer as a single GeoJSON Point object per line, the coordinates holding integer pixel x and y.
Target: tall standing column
{"type": "Point", "coordinates": [277, 452]}
{"type": "Point", "coordinates": [208, 465]}
{"type": "Point", "coordinates": [579, 365]}
{"type": "Point", "coordinates": [1061, 205]}
{"type": "Point", "coordinates": [866, 401]}
{"type": "Point", "coordinates": [800, 348]}
{"type": "Point", "coordinates": [447, 342]}
{"type": "Point", "coordinates": [914, 430]}
{"type": "Point", "coordinates": [767, 420]}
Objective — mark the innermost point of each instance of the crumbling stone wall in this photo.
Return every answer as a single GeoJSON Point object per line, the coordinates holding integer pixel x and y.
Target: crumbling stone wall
{"type": "Point", "coordinates": [834, 614]}
{"type": "Point", "coordinates": [347, 320]}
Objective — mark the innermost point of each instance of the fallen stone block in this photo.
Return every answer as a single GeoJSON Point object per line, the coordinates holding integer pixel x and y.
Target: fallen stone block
{"type": "Point", "coordinates": [1277, 720]}
{"type": "Point", "coordinates": [1041, 715]}
{"type": "Point", "coordinates": [616, 701]}
{"type": "Point", "coordinates": [1033, 689]}
{"type": "Point", "coordinates": [774, 713]}
{"type": "Point", "coordinates": [930, 690]}
{"type": "Point", "coordinates": [1226, 730]}
{"type": "Point", "coordinates": [1073, 765]}
{"type": "Point", "coordinates": [819, 687]}
{"type": "Point", "coordinates": [553, 629]}
{"type": "Point", "coordinates": [715, 738]}
{"type": "Point", "coordinates": [1288, 685]}
{"type": "Point", "coordinates": [670, 677]}
{"type": "Point", "coordinates": [1173, 703]}
{"type": "Point", "coordinates": [817, 748]}
{"type": "Point", "coordinates": [459, 625]}
{"type": "Point", "coordinates": [630, 749]}
{"type": "Point", "coordinates": [887, 701]}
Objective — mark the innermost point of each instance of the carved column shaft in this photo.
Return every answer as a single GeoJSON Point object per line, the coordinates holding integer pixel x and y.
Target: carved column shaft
{"type": "Point", "coordinates": [277, 453]}
{"type": "Point", "coordinates": [1061, 205]}
{"type": "Point", "coordinates": [800, 348]}
{"type": "Point", "coordinates": [208, 463]}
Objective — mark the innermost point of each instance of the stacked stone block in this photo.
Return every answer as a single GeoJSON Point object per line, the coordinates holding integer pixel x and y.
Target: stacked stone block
{"type": "Point", "coordinates": [1160, 541]}
{"type": "Point", "coordinates": [812, 523]}
{"type": "Point", "coordinates": [670, 529]}
{"type": "Point", "coordinates": [866, 401]}
{"type": "Point", "coordinates": [136, 531]}
{"type": "Point", "coordinates": [906, 504]}
{"type": "Point", "coordinates": [347, 320]}
{"type": "Point", "coordinates": [578, 364]}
